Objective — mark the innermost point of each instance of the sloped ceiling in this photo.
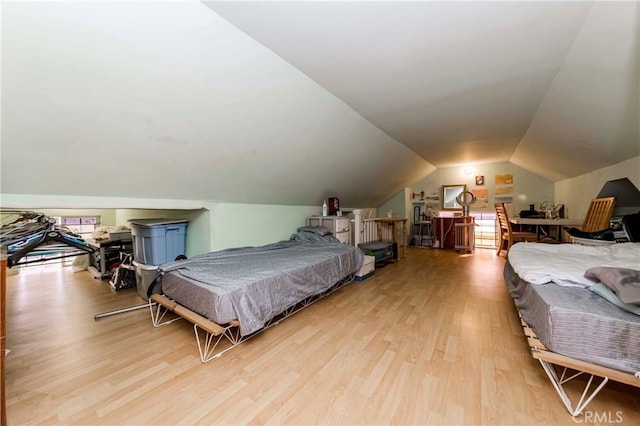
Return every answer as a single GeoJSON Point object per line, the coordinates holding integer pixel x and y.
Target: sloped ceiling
{"type": "Point", "coordinates": [291, 102]}
{"type": "Point", "coordinates": [550, 86]}
{"type": "Point", "coordinates": [167, 100]}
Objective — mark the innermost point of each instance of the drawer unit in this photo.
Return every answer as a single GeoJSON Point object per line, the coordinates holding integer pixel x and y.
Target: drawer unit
{"type": "Point", "coordinates": [340, 226]}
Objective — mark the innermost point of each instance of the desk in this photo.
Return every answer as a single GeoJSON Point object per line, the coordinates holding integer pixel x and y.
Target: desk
{"type": "Point", "coordinates": [391, 225]}
{"type": "Point", "coordinates": [99, 265]}
{"type": "Point", "coordinates": [541, 223]}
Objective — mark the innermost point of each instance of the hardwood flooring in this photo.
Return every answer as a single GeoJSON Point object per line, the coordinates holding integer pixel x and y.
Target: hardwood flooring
{"type": "Point", "coordinates": [431, 339]}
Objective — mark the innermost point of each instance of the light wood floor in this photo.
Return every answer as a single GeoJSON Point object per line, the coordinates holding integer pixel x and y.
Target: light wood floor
{"type": "Point", "coordinates": [432, 339]}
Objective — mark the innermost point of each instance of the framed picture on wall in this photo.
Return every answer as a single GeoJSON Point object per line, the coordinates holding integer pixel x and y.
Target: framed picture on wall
{"type": "Point", "coordinates": [479, 180]}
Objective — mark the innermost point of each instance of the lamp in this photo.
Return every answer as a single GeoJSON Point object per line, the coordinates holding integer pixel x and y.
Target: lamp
{"type": "Point", "coordinates": [626, 193]}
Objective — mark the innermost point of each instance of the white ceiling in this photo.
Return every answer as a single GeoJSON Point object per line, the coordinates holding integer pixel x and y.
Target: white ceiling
{"type": "Point", "coordinates": [550, 86]}
{"type": "Point", "coordinates": [289, 103]}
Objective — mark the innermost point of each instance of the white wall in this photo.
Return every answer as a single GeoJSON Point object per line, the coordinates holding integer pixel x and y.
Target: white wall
{"type": "Point", "coordinates": [577, 192]}
{"type": "Point", "coordinates": [528, 188]}
{"type": "Point", "coordinates": [397, 204]}
{"type": "Point", "coordinates": [61, 201]}
{"type": "Point", "coordinates": [168, 100]}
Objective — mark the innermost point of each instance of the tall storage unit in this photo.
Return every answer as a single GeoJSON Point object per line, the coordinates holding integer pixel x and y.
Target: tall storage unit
{"type": "Point", "coordinates": [155, 242]}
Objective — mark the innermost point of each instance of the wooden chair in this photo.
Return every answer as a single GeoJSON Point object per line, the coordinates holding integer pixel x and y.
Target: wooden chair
{"type": "Point", "coordinates": [506, 234]}
{"type": "Point", "coordinates": [599, 214]}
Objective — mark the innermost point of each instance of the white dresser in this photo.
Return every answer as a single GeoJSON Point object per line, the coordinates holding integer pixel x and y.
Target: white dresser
{"type": "Point", "coordinates": [339, 225]}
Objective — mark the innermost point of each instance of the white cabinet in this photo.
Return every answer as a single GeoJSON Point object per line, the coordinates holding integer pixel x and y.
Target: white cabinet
{"type": "Point", "coordinates": [339, 225]}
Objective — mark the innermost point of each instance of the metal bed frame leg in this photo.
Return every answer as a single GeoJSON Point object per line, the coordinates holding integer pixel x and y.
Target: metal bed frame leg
{"type": "Point", "coordinates": [205, 347]}
{"type": "Point", "coordinates": [208, 344]}
{"type": "Point", "coordinates": [207, 351]}
{"type": "Point", "coordinates": [558, 384]}
{"type": "Point", "coordinates": [156, 318]}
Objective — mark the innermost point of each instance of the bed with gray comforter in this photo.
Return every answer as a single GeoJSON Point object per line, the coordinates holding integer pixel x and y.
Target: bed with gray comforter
{"type": "Point", "coordinates": [559, 300]}
{"type": "Point", "coordinates": [255, 284]}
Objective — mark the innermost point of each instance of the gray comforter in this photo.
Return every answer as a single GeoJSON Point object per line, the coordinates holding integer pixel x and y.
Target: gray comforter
{"type": "Point", "coordinates": [575, 322]}
{"type": "Point", "coordinates": [258, 283]}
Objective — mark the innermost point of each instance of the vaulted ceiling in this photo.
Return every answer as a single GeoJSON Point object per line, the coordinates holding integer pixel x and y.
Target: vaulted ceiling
{"type": "Point", "coordinates": [550, 86]}
{"type": "Point", "coordinates": [291, 102]}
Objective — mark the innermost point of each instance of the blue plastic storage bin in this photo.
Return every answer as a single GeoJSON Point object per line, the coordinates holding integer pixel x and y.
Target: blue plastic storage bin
{"type": "Point", "coordinates": [157, 241]}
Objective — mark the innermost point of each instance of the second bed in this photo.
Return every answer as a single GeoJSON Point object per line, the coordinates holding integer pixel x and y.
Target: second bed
{"type": "Point", "coordinates": [566, 322]}
{"type": "Point", "coordinates": [237, 292]}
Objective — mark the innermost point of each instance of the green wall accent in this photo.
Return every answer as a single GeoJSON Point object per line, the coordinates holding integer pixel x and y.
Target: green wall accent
{"type": "Point", "coordinates": [239, 225]}
{"type": "Point", "coordinates": [198, 229]}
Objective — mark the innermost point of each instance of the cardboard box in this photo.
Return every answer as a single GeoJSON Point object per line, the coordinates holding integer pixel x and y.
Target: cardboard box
{"type": "Point", "coordinates": [367, 269]}
{"type": "Point", "coordinates": [119, 235]}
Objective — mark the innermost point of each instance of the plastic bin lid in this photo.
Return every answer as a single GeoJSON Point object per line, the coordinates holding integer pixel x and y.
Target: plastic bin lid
{"type": "Point", "coordinates": [144, 266]}
{"type": "Point", "coordinates": [155, 222]}
{"type": "Point", "coordinates": [375, 246]}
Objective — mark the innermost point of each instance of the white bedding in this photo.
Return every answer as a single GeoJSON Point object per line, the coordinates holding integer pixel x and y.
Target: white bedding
{"type": "Point", "coordinates": [565, 264]}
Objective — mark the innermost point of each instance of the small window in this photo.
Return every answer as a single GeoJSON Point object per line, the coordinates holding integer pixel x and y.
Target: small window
{"type": "Point", "coordinates": [82, 225]}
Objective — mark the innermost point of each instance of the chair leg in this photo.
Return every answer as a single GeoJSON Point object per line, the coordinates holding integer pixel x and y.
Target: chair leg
{"type": "Point", "coordinates": [500, 247]}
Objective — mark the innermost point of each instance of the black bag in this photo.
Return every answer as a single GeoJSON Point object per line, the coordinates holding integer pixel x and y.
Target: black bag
{"type": "Point", "coordinates": [604, 235]}
{"type": "Point", "coordinates": [631, 226]}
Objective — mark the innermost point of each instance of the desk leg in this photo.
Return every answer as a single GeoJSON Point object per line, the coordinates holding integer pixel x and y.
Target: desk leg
{"type": "Point", "coordinates": [103, 262]}
{"type": "Point", "coordinates": [394, 239]}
